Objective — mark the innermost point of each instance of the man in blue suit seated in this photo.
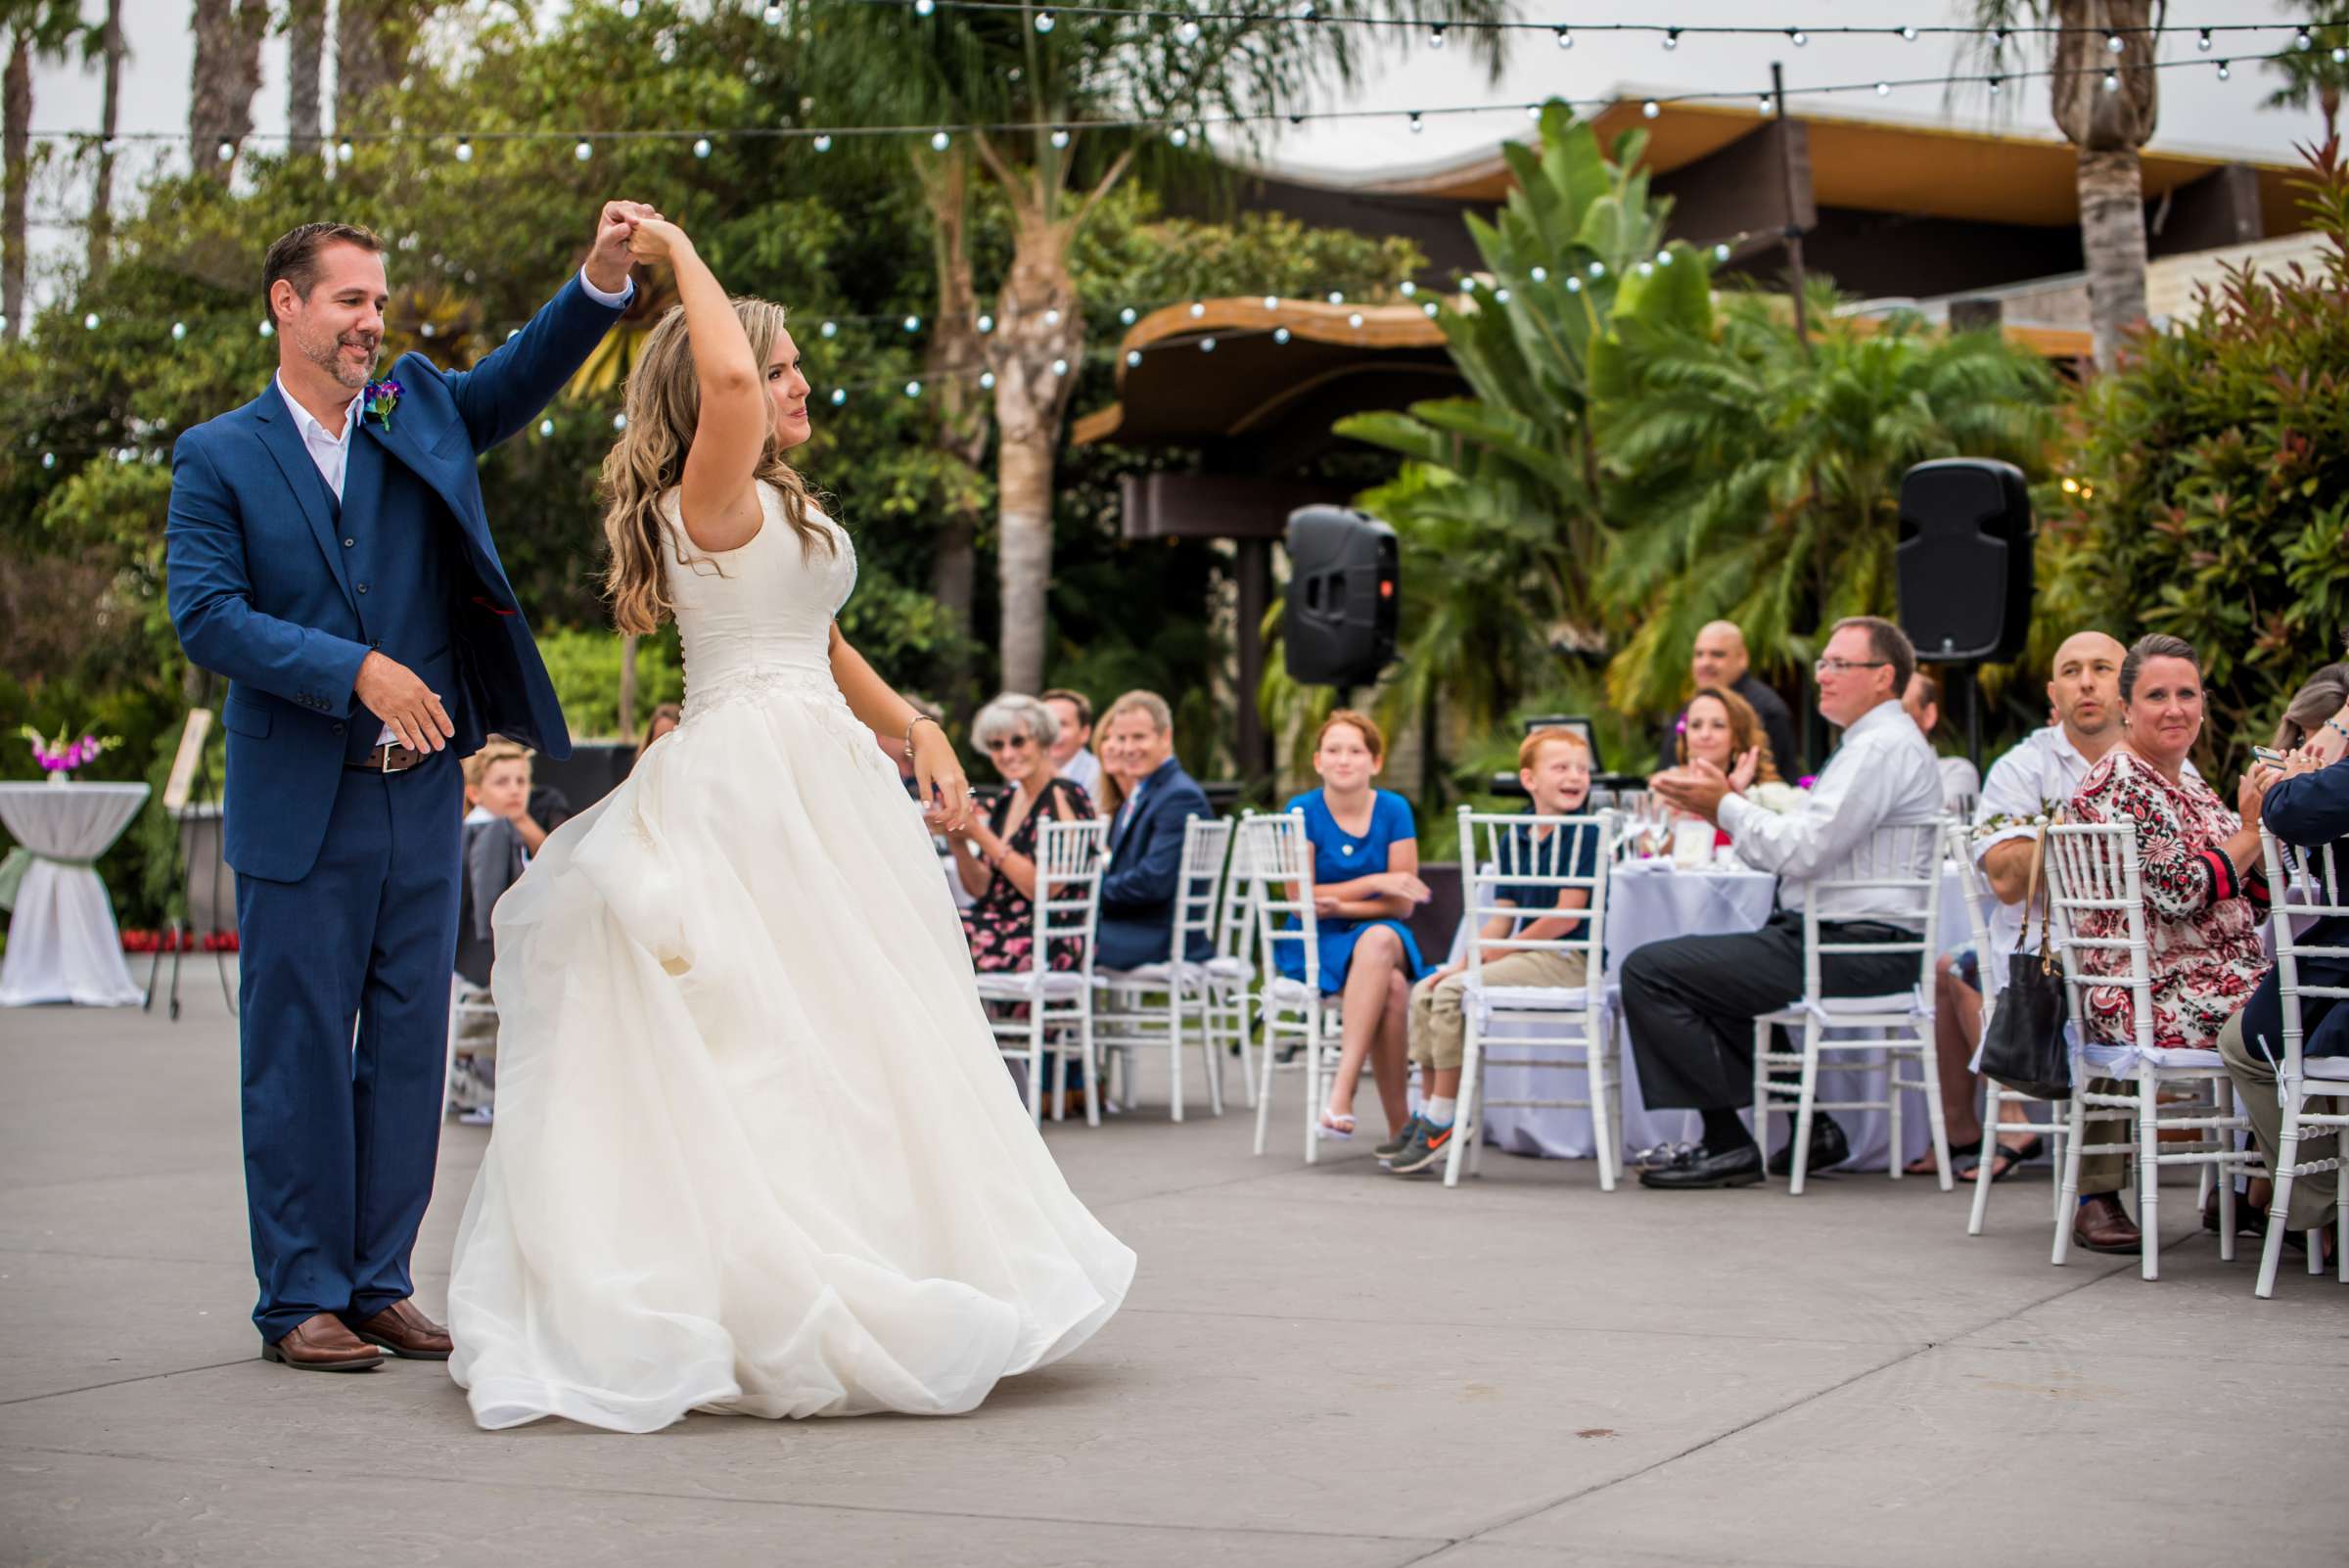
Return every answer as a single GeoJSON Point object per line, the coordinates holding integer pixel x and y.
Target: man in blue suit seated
{"type": "Point", "coordinates": [329, 553]}
{"type": "Point", "coordinates": [1146, 837]}
{"type": "Point", "coordinates": [2307, 804]}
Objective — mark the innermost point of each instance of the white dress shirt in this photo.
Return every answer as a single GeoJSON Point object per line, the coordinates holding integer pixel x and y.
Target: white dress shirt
{"type": "Point", "coordinates": [1959, 780]}
{"type": "Point", "coordinates": [1882, 772]}
{"type": "Point", "coordinates": [332, 454]}
{"type": "Point", "coordinates": [2025, 786]}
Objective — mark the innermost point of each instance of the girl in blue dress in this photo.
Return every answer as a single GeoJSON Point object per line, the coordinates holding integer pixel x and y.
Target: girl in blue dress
{"type": "Point", "coordinates": [1365, 883]}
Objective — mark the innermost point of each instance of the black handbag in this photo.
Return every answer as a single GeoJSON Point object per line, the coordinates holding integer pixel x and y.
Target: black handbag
{"type": "Point", "coordinates": [2024, 1047]}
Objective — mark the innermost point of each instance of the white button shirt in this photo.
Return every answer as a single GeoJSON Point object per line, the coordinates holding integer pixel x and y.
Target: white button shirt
{"type": "Point", "coordinates": [331, 452]}
{"type": "Point", "coordinates": [2040, 774]}
{"type": "Point", "coordinates": [1883, 772]}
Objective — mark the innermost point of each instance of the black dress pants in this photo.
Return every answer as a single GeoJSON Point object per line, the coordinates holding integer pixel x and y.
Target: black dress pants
{"type": "Point", "coordinates": [1691, 1003]}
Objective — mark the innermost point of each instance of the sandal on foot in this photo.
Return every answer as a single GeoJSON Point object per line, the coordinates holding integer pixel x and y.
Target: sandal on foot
{"type": "Point", "coordinates": [2005, 1160]}
{"type": "Point", "coordinates": [1333, 1127]}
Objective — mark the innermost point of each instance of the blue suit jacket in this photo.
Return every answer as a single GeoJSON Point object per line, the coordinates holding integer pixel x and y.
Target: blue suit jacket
{"type": "Point", "coordinates": [260, 592]}
{"type": "Point", "coordinates": [2313, 810]}
{"type": "Point", "coordinates": [1146, 871]}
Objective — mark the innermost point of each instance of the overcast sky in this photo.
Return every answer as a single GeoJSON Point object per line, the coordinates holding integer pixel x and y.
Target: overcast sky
{"type": "Point", "coordinates": [2197, 110]}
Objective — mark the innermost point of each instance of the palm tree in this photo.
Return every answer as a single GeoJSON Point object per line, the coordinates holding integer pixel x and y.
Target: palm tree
{"type": "Point", "coordinates": [104, 42]}
{"type": "Point", "coordinates": [33, 28]}
{"type": "Point", "coordinates": [2313, 72]}
{"type": "Point", "coordinates": [1071, 84]}
{"type": "Point", "coordinates": [227, 75]}
{"type": "Point", "coordinates": [305, 60]}
{"type": "Point", "coordinates": [2106, 104]}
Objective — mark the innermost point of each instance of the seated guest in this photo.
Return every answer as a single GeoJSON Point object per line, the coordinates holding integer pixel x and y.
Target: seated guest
{"type": "Point", "coordinates": [1073, 756]}
{"type": "Point", "coordinates": [1722, 727]}
{"type": "Point", "coordinates": [1692, 1001]}
{"type": "Point", "coordinates": [665, 718]}
{"type": "Point", "coordinates": [2034, 780]}
{"type": "Point", "coordinates": [1718, 660]}
{"type": "Point", "coordinates": [1156, 797]}
{"type": "Point", "coordinates": [2305, 802]}
{"type": "Point", "coordinates": [1554, 766]}
{"type": "Point", "coordinates": [999, 872]}
{"type": "Point", "coordinates": [1922, 703]}
{"type": "Point", "coordinates": [1366, 884]}
{"type": "Point", "coordinates": [2204, 896]}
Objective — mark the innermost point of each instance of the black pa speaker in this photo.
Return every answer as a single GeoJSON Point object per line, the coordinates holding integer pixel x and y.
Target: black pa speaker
{"type": "Point", "coordinates": [1963, 560]}
{"type": "Point", "coordinates": [1337, 626]}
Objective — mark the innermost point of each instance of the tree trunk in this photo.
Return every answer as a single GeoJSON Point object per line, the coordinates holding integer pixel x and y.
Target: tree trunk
{"type": "Point", "coordinates": [2112, 235]}
{"type": "Point", "coordinates": [15, 154]}
{"type": "Point", "coordinates": [109, 118]}
{"type": "Point", "coordinates": [373, 40]}
{"type": "Point", "coordinates": [226, 76]}
{"type": "Point", "coordinates": [1037, 325]}
{"type": "Point", "coordinates": [2109, 125]}
{"type": "Point", "coordinates": [957, 352]}
{"type": "Point", "coordinates": [305, 61]}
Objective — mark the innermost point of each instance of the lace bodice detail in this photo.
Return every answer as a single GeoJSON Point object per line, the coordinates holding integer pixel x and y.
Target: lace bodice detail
{"type": "Point", "coordinates": [757, 619]}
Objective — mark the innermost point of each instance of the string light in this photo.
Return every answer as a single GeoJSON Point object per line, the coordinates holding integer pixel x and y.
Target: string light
{"type": "Point", "coordinates": [629, 9]}
{"type": "Point", "coordinates": [2224, 73]}
{"type": "Point", "coordinates": [1045, 21]}
{"type": "Point", "coordinates": [179, 328]}
{"type": "Point", "coordinates": [1280, 334]}
{"type": "Point", "coordinates": [2202, 41]}
{"type": "Point", "coordinates": [345, 152]}
{"type": "Point", "coordinates": [1539, 274]}
{"type": "Point", "coordinates": [1198, 309]}
{"type": "Point", "coordinates": [620, 422]}
{"type": "Point", "coordinates": [912, 323]}
{"type": "Point", "coordinates": [1271, 302]}
{"type": "Point", "coordinates": [987, 381]}
{"type": "Point", "coordinates": [89, 322]}
{"type": "Point", "coordinates": [268, 329]}
{"type": "Point", "coordinates": [1356, 320]}
{"type": "Point", "coordinates": [1672, 37]}
{"type": "Point", "coordinates": [1797, 37]}
{"type": "Point", "coordinates": [464, 151]}
{"type": "Point", "coordinates": [2112, 81]}
{"type": "Point", "coordinates": [1133, 356]}
{"type": "Point", "coordinates": [546, 427]}
{"type": "Point", "coordinates": [839, 396]}
{"type": "Point", "coordinates": [584, 151]}
{"type": "Point", "coordinates": [1060, 138]}
{"type": "Point", "coordinates": [923, 8]}
{"type": "Point", "coordinates": [1417, 123]}
{"type": "Point", "coordinates": [1207, 346]}
{"type": "Point", "coordinates": [1883, 89]}
{"type": "Point", "coordinates": [1187, 32]}
{"type": "Point", "coordinates": [830, 329]}
{"type": "Point", "coordinates": [773, 17]}
{"type": "Point", "coordinates": [2113, 43]}
{"type": "Point", "coordinates": [986, 324]}
{"type": "Point", "coordinates": [1060, 367]}
{"type": "Point", "coordinates": [1651, 109]}
{"type": "Point", "coordinates": [1909, 35]}
{"type": "Point", "coordinates": [823, 144]}
{"type": "Point", "coordinates": [1179, 137]}
{"type": "Point", "coordinates": [1435, 37]}
{"type": "Point", "coordinates": [700, 147]}
{"type": "Point", "coordinates": [1565, 38]}
{"type": "Point", "coordinates": [225, 151]}
{"type": "Point", "coordinates": [938, 143]}
{"type": "Point", "coordinates": [2302, 40]}
{"type": "Point", "coordinates": [913, 388]}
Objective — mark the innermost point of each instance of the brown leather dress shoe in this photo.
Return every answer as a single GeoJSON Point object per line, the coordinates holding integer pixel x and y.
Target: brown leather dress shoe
{"type": "Point", "coordinates": [404, 1331]}
{"type": "Point", "coordinates": [2103, 1225]}
{"type": "Point", "coordinates": [321, 1344]}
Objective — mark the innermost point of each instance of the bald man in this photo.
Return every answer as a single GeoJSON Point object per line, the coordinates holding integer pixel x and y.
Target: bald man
{"type": "Point", "coordinates": [1719, 659]}
{"type": "Point", "coordinates": [2031, 781]}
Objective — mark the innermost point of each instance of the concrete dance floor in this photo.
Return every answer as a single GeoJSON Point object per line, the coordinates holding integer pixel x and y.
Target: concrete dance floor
{"type": "Point", "coordinates": [1323, 1366]}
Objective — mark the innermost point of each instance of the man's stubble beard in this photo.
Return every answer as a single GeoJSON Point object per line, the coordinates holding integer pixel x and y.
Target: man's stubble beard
{"type": "Point", "coordinates": [328, 356]}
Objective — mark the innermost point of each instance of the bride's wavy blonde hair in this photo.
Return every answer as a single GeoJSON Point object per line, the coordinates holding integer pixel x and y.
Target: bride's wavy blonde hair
{"type": "Point", "coordinates": [663, 406]}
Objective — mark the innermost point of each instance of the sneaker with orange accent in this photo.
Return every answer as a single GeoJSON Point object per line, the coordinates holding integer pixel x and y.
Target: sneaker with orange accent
{"type": "Point", "coordinates": [1429, 1144]}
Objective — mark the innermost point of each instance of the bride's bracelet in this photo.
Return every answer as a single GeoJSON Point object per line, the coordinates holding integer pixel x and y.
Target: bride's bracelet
{"type": "Point", "coordinates": [918, 719]}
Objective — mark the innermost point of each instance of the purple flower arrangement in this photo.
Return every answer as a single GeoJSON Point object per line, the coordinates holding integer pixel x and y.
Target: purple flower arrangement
{"type": "Point", "coordinates": [62, 756]}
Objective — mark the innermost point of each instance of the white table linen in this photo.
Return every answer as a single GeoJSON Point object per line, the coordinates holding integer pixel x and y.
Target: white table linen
{"type": "Point", "coordinates": [1649, 900]}
{"type": "Point", "coordinates": [63, 945]}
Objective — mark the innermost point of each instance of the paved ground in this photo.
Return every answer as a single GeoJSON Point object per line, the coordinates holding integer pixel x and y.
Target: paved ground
{"type": "Point", "coordinates": [1321, 1366]}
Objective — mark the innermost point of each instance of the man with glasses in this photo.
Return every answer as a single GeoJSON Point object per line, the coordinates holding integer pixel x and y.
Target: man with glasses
{"type": "Point", "coordinates": [1692, 1001]}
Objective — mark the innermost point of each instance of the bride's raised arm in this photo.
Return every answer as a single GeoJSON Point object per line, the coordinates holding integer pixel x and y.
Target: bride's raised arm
{"type": "Point", "coordinates": [733, 422]}
{"type": "Point", "coordinates": [936, 771]}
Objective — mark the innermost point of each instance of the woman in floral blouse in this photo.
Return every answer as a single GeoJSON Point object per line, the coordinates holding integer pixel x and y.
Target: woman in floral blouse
{"type": "Point", "coordinates": [2197, 860]}
{"type": "Point", "coordinates": [996, 860]}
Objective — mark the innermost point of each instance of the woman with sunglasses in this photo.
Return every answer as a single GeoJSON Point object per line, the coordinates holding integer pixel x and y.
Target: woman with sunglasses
{"type": "Point", "coordinates": [996, 859]}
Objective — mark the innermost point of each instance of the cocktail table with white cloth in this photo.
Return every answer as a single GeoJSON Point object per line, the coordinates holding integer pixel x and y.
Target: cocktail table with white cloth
{"type": "Point", "coordinates": [62, 942]}
{"type": "Point", "coordinates": [1650, 901]}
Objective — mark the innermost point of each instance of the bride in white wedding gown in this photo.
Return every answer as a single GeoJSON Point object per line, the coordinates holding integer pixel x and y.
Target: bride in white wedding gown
{"type": "Point", "coordinates": [755, 1151]}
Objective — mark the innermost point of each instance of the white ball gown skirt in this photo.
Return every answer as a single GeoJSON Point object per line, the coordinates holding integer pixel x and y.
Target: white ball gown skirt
{"type": "Point", "coordinates": [755, 1151]}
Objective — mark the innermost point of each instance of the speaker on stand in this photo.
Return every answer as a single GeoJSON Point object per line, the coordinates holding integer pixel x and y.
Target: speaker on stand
{"type": "Point", "coordinates": [1964, 571]}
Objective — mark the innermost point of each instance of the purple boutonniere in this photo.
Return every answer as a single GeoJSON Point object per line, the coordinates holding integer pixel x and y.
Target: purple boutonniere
{"type": "Point", "coordinates": [382, 396]}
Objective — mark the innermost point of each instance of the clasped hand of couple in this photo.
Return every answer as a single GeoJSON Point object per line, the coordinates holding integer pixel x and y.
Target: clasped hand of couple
{"type": "Point", "coordinates": [1700, 786]}
{"type": "Point", "coordinates": [1384, 885]}
{"type": "Point", "coordinates": [390, 689]}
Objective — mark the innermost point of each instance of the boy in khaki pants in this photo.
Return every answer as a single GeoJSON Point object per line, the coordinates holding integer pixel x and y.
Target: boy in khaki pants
{"type": "Point", "coordinates": [1554, 766]}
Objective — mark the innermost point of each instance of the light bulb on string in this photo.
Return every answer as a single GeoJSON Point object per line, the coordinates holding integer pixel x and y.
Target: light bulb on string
{"type": "Point", "coordinates": [48, 460]}
{"type": "Point", "coordinates": [1651, 109]}
{"type": "Point", "coordinates": [912, 323]}
{"type": "Point", "coordinates": [1720, 252]}
{"type": "Point", "coordinates": [464, 151]}
{"type": "Point", "coordinates": [1337, 297]}
{"type": "Point", "coordinates": [1280, 334]}
{"type": "Point", "coordinates": [1355, 320]}
{"type": "Point", "coordinates": [1533, 112]}
{"type": "Point", "coordinates": [1672, 37]}
{"type": "Point", "coordinates": [2202, 41]}
{"type": "Point", "coordinates": [2114, 43]}
{"type": "Point", "coordinates": [1060, 138]}
{"type": "Point", "coordinates": [1179, 137]}
{"type": "Point", "coordinates": [774, 15]}
{"type": "Point", "coordinates": [830, 329]}
{"type": "Point", "coordinates": [923, 8]}
{"type": "Point", "coordinates": [546, 427]}
{"type": "Point", "coordinates": [1429, 309]}
{"type": "Point", "coordinates": [345, 152]}
{"type": "Point", "coordinates": [2302, 40]}
{"type": "Point", "coordinates": [823, 144]}
{"type": "Point", "coordinates": [1998, 38]}
{"type": "Point", "coordinates": [1271, 302]}
{"type": "Point", "coordinates": [1663, 259]}
{"type": "Point", "coordinates": [1407, 289]}
{"type": "Point", "coordinates": [1574, 284]}
{"type": "Point", "coordinates": [987, 380]}
{"type": "Point", "coordinates": [268, 329]}
{"type": "Point", "coordinates": [620, 422]}
{"type": "Point", "coordinates": [1565, 36]}
{"type": "Point", "coordinates": [179, 328]}
{"type": "Point", "coordinates": [629, 9]}
{"type": "Point", "coordinates": [987, 324]}
{"type": "Point", "coordinates": [913, 388]}
{"type": "Point", "coordinates": [1467, 286]}
{"type": "Point", "coordinates": [839, 396]}
{"type": "Point", "coordinates": [1060, 367]}
{"type": "Point", "coordinates": [1207, 346]}
{"type": "Point", "coordinates": [1908, 35]}
{"type": "Point", "coordinates": [1045, 22]}
{"type": "Point", "coordinates": [700, 147]}
{"type": "Point", "coordinates": [1797, 37]}
{"type": "Point", "coordinates": [1133, 356]}
{"type": "Point", "coordinates": [2224, 73]}
{"type": "Point", "coordinates": [1187, 32]}
{"type": "Point", "coordinates": [1996, 82]}
{"type": "Point", "coordinates": [2112, 81]}
{"type": "Point", "coordinates": [583, 151]}
{"type": "Point", "coordinates": [1883, 89]}
{"type": "Point", "coordinates": [938, 143]}
{"type": "Point", "coordinates": [1539, 274]}
{"type": "Point", "coordinates": [1417, 124]}
{"type": "Point", "coordinates": [1126, 315]}
{"type": "Point", "coordinates": [1599, 269]}
{"type": "Point", "coordinates": [225, 151]}
{"type": "Point", "coordinates": [89, 322]}
{"type": "Point", "coordinates": [1501, 297]}
{"type": "Point", "coordinates": [1435, 36]}
{"type": "Point", "coordinates": [1052, 317]}
{"type": "Point", "coordinates": [1197, 309]}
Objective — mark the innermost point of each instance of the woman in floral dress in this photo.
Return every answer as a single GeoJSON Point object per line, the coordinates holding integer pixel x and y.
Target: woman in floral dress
{"type": "Point", "coordinates": [997, 862]}
{"type": "Point", "coordinates": [2198, 863]}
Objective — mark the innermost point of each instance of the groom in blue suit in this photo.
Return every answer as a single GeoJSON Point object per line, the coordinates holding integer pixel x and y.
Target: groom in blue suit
{"type": "Point", "coordinates": [329, 553]}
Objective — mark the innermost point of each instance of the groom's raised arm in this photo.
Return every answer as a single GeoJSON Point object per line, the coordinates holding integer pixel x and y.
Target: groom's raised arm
{"type": "Point", "coordinates": [506, 391]}
{"type": "Point", "coordinates": [212, 598]}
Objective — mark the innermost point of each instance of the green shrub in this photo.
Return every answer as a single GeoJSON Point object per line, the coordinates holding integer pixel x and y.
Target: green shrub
{"type": "Point", "coordinates": [583, 662]}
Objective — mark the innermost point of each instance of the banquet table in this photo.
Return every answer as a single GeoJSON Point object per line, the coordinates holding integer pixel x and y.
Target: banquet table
{"type": "Point", "coordinates": [62, 942]}
{"type": "Point", "coordinates": [1649, 900]}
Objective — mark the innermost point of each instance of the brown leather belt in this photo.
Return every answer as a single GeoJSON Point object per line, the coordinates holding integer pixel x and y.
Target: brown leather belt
{"type": "Point", "coordinates": [390, 758]}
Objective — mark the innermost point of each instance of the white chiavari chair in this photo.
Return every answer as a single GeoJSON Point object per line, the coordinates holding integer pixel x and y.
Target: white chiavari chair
{"type": "Point", "coordinates": [1887, 1031]}
{"type": "Point", "coordinates": [1054, 1015]}
{"type": "Point", "coordinates": [2316, 893]}
{"type": "Point", "coordinates": [1167, 1004]}
{"type": "Point", "coordinates": [1494, 854]}
{"type": "Point", "coordinates": [1295, 1013]}
{"type": "Point", "coordinates": [471, 1039]}
{"type": "Point", "coordinates": [2092, 870]}
{"type": "Point", "coordinates": [1997, 1096]}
